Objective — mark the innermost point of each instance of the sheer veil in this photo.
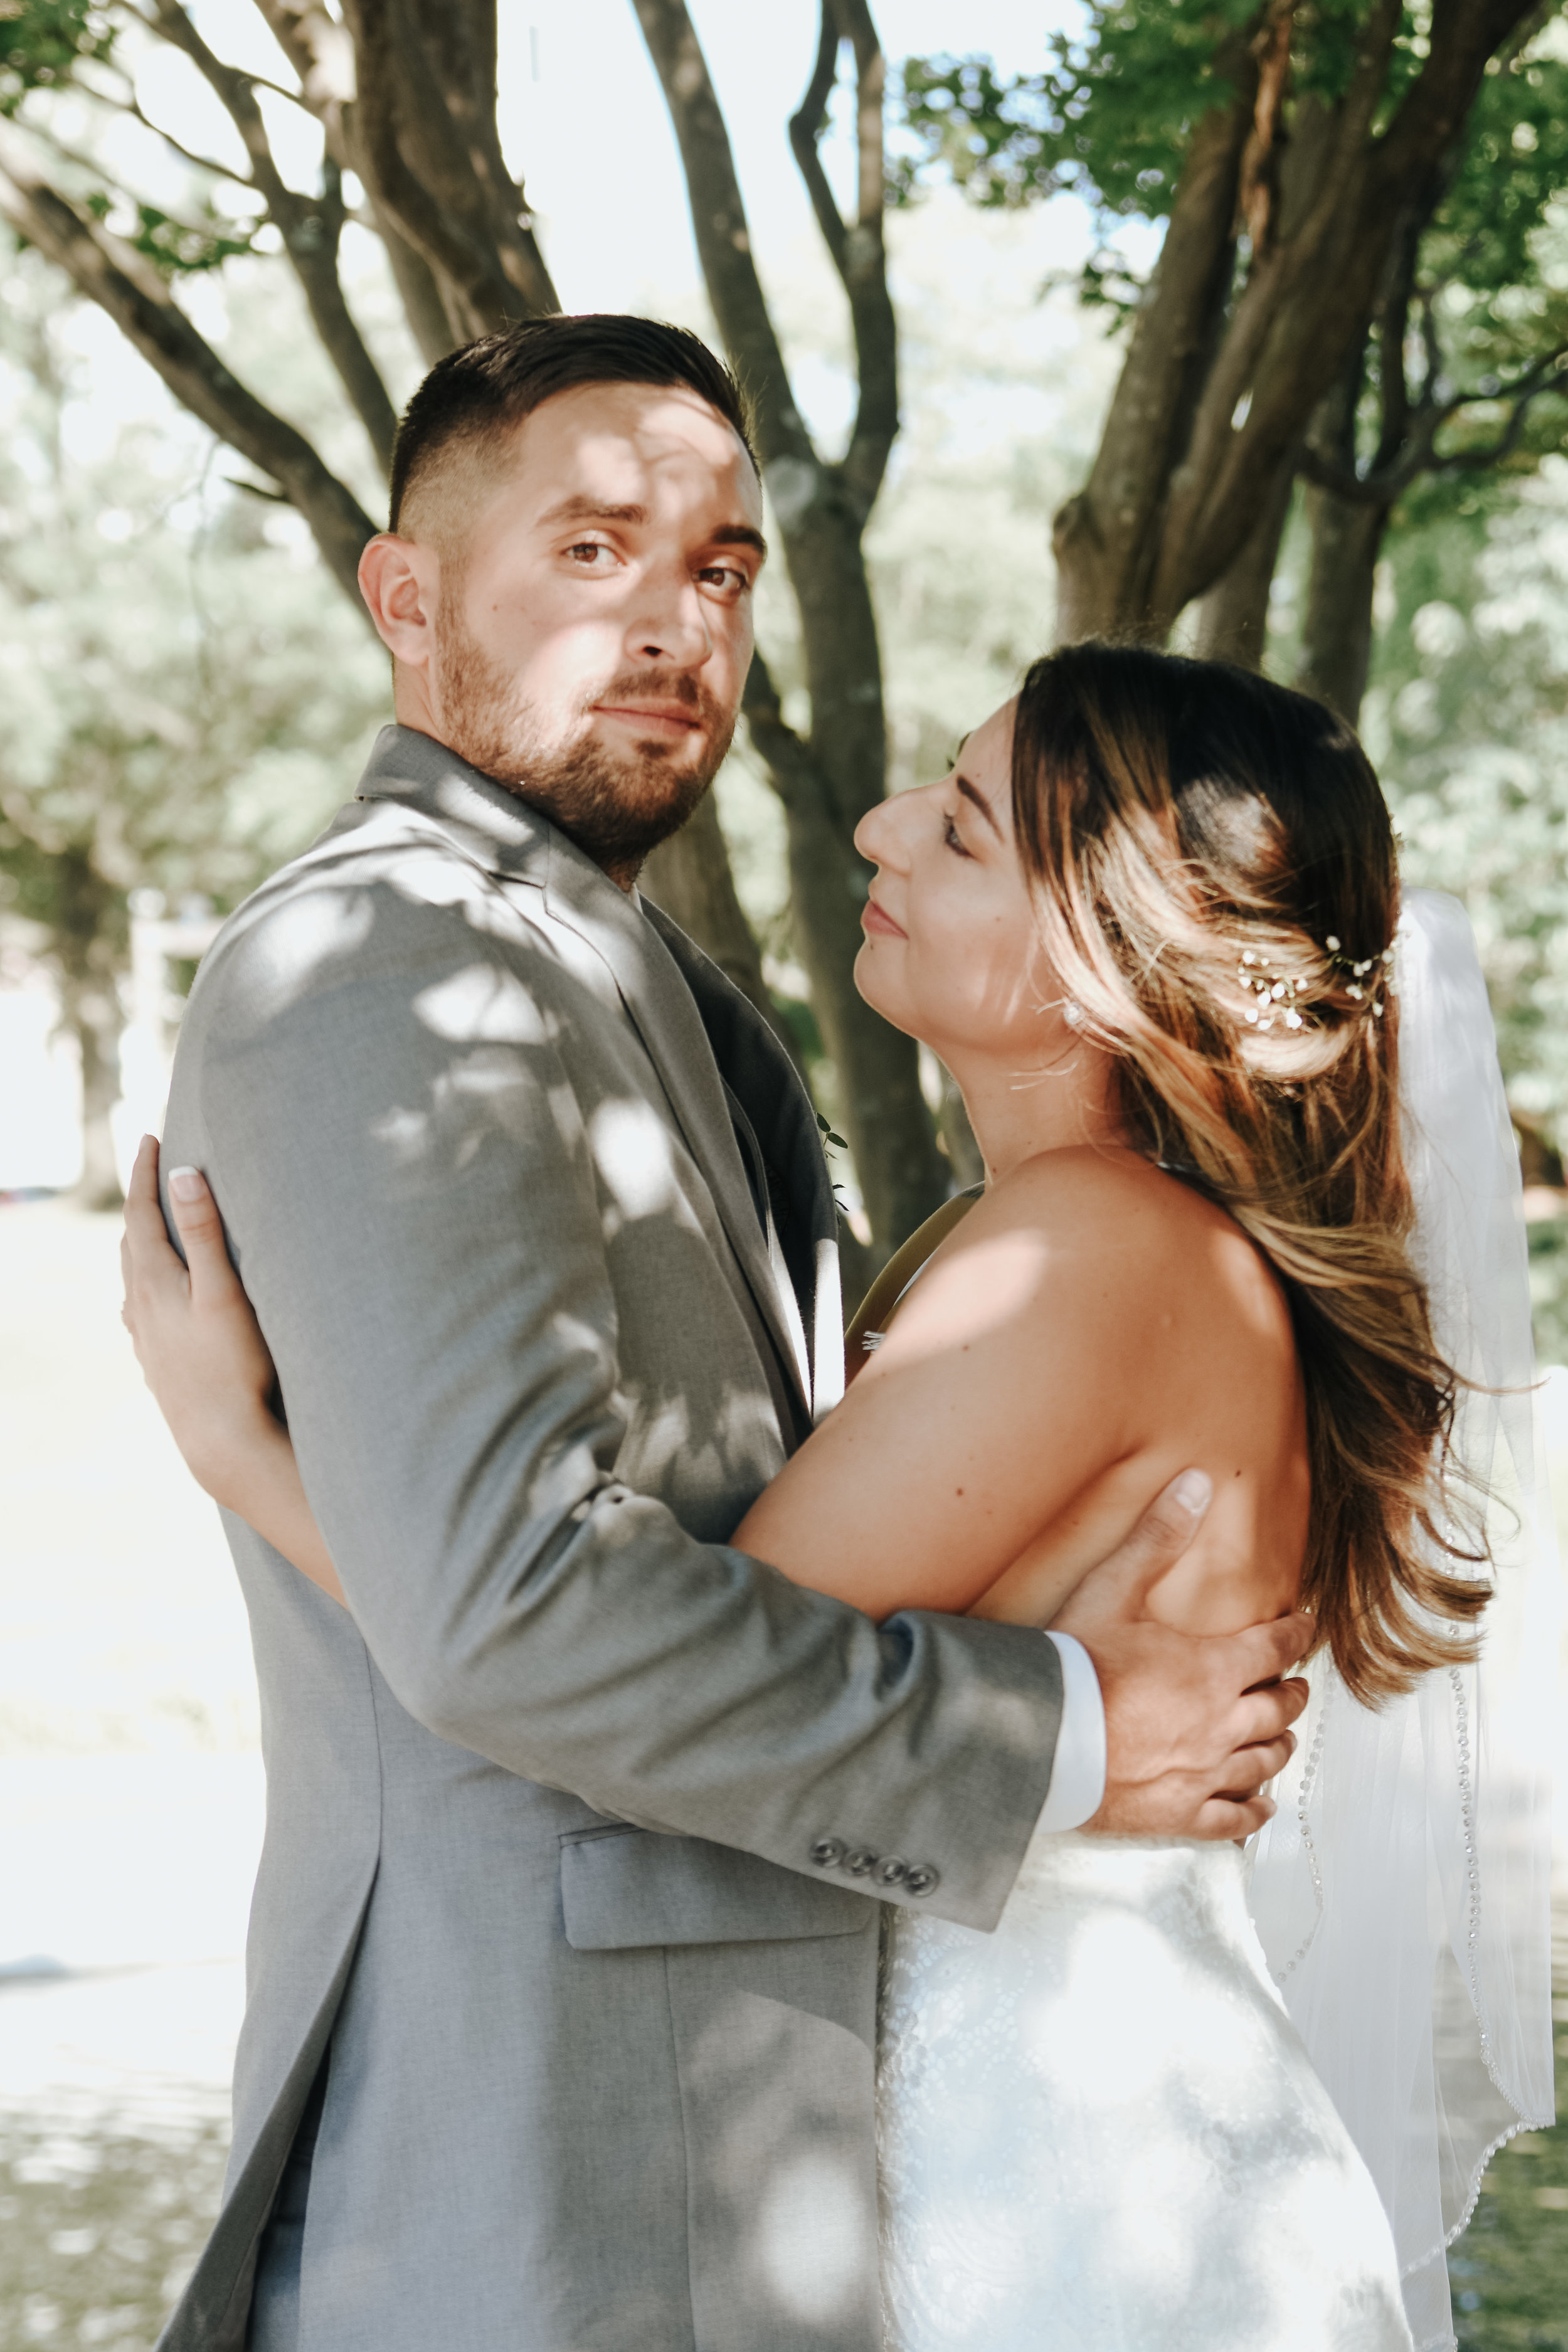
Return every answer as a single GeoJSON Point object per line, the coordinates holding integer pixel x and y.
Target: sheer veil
{"type": "Point", "coordinates": [1402, 1891]}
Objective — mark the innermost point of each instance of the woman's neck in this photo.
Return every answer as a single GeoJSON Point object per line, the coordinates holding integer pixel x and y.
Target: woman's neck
{"type": "Point", "coordinates": [1018, 1114]}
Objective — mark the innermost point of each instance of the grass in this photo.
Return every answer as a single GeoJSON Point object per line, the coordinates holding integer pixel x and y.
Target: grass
{"type": "Point", "coordinates": [99, 2232]}
{"type": "Point", "coordinates": [1509, 2270]}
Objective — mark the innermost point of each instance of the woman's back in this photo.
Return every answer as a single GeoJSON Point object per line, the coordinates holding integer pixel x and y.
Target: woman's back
{"type": "Point", "coordinates": [1090, 1328]}
{"type": "Point", "coordinates": [1097, 2126]}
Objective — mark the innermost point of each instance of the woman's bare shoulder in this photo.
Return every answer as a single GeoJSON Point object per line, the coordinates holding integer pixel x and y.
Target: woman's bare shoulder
{"type": "Point", "coordinates": [1109, 1234]}
{"type": "Point", "coordinates": [1110, 1206]}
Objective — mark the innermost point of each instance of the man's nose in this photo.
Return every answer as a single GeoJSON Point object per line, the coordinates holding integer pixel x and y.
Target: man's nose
{"type": "Point", "coordinates": [669, 626]}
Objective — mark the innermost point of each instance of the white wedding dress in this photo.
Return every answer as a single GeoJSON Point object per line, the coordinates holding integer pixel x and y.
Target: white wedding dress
{"type": "Point", "coordinates": [1097, 2131]}
{"type": "Point", "coordinates": [1099, 2128]}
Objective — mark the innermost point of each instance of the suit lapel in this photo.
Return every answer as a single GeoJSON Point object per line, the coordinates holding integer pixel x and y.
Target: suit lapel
{"type": "Point", "coordinates": [771, 1098]}
{"type": "Point", "coordinates": [662, 1010]}
{"type": "Point", "coordinates": [639, 948]}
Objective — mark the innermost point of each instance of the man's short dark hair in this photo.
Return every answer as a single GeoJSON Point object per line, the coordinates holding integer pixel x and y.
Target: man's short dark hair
{"type": "Point", "coordinates": [481, 392]}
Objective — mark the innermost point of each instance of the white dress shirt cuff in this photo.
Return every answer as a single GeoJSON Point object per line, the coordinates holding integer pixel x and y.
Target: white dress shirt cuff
{"type": "Point", "coordinates": [1078, 1773]}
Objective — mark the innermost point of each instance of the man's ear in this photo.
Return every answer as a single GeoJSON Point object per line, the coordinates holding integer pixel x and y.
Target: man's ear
{"type": "Point", "coordinates": [400, 580]}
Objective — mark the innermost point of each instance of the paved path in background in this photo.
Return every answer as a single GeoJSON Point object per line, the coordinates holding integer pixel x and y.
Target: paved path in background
{"type": "Point", "coordinates": [130, 1787]}
{"type": "Point", "coordinates": [121, 1622]}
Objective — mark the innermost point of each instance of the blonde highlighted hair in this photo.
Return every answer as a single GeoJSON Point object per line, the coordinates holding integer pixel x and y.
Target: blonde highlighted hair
{"type": "Point", "coordinates": [1189, 829]}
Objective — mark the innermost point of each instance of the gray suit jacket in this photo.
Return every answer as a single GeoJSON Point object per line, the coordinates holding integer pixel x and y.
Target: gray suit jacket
{"type": "Point", "coordinates": [572, 1822]}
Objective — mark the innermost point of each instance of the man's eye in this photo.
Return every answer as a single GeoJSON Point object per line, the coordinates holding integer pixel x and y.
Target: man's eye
{"type": "Point", "coordinates": [725, 577]}
{"type": "Point", "coordinates": [586, 552]}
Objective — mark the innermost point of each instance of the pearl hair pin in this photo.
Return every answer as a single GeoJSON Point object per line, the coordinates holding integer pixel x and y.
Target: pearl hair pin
{"type": "Point", "coordinates": [1277, 988]}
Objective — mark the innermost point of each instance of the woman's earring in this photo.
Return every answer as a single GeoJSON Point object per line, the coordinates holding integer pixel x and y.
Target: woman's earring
{"type": "Point", "coordinates": [1072, 1012]}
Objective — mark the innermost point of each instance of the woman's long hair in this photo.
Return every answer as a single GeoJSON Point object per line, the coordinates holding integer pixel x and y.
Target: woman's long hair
{"type": "Point", "coordinates": [1214, 867]}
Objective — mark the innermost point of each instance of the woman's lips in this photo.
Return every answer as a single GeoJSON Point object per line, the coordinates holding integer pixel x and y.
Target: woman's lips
{"type": "Point", "coordinates": [880, 923]}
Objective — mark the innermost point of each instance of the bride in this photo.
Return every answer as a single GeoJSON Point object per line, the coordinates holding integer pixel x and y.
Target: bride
{"type": "Point", "coordinates": [1148, 923]}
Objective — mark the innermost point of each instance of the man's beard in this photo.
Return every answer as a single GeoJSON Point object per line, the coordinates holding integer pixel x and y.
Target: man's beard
{"type": "Point", "coordinates": [615, 808]}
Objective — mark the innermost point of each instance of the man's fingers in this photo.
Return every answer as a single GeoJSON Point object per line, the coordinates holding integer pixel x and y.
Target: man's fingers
{"type": "Point", "coordinates": [1263, 1714]}
{"type": "Point", "coordinates": [1229, 1818]}
{"type": "Point", "coordinates": [1264, 1653]}
{"type": "Point", "coordinates": [1119, 1584]}
{"type": "Point", "coordinates": [1251, 1768]}
{"type": "Point", "coordinates": [200, 1228]}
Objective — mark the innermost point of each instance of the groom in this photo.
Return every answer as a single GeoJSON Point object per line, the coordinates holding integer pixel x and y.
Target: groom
{"type": "Point", "coordinates": [562, 1958]}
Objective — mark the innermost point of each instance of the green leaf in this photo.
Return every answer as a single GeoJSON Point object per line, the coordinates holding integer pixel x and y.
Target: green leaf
{"type": "Point", "coordinates": [42, 42]}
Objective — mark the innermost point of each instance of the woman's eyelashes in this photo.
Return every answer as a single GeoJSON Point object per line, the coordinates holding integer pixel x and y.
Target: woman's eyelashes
{"type": "Point", "coordinates": [952, 838]}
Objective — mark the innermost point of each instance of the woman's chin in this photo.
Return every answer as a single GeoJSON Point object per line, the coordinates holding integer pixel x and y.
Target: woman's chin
{"type": "Point", "coordinates": [876, 985]}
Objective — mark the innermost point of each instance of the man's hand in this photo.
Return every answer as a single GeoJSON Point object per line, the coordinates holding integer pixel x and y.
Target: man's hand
{"type": "Point", "coordinates": [1195, 1725]}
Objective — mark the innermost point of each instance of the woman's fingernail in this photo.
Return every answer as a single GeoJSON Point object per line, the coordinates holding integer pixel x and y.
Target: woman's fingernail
{"type": "Point", "coordinates": [185, 1183]}
{"type": "Point", "coordinates": [1192, 1490]}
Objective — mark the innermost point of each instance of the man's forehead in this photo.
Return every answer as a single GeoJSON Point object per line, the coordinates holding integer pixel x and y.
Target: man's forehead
{"type": "Point", "coordinates": [624, 443]}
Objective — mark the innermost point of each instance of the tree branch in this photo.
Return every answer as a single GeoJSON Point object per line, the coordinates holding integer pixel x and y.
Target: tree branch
{"type": "Point", "coordinates": [864, 270]}
{"type": "Point", "coordinates": [806, 126]}
{"type": "Point", "coordinates": [858, 254]}
{"type": "Point", "coordinates": [1106, 537]}
{"type": "Point", "coordinates": [724, 247]}
{"type": "Point", "coordinates": [129, 288]}
{"type": "Point", "coordinates": [1381, 485]}
{"type": "Point", "coordinates": [414, 89]}
{"type": "Point", "coordinates": [794, 773]}
{"type": "Point", "coordinates": [133, 107]}
{"type": "Point", "coordinates": [320, 51]}
{"type": "Point", "coordinates": [1300, 311]}
{"type": "Point", "coordinates": [309, 229]}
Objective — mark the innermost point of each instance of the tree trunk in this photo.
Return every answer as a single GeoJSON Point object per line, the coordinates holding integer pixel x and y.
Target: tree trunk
{"type": "Point", "coordinates": [689, 876]}
{"type": "Point", "coordinates": [1336, 635]}
{"type": "Point", "coordinates": [91, 942]}
{"type": "Point", "coordinates": [95, 1021]}
{"type": "Point", "coordinates": [902, 1174]}
{"type": "Point", "coordinates": [1203, 415]}
{"type": "Point", "coordinates": [1232, 618]}
{"type": "Point", "coordinates": [828, 782]}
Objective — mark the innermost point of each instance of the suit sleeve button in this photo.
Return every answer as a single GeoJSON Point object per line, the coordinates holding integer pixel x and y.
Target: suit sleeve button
{"type": "Point", "coordinates": [892, 1870]}
{"type": "Point", "coordinates": [861, 1861]}
{"type": "Point", "coordinates": [828, 1852]}
{"type": "Point", "coordinates": [922, 1878]}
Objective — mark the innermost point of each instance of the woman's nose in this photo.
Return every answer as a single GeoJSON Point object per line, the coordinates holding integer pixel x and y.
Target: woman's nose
{"type": "Point", "coordinates": [877, 834]}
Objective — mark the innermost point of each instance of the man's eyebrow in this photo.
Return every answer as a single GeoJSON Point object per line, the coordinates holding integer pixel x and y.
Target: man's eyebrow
{"type": "Point", "coordinates": [981, 802]}
{"type": "Point", "coordinates": [586, 510]}
{"type": "Point", "coordinates": [739, 534]}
